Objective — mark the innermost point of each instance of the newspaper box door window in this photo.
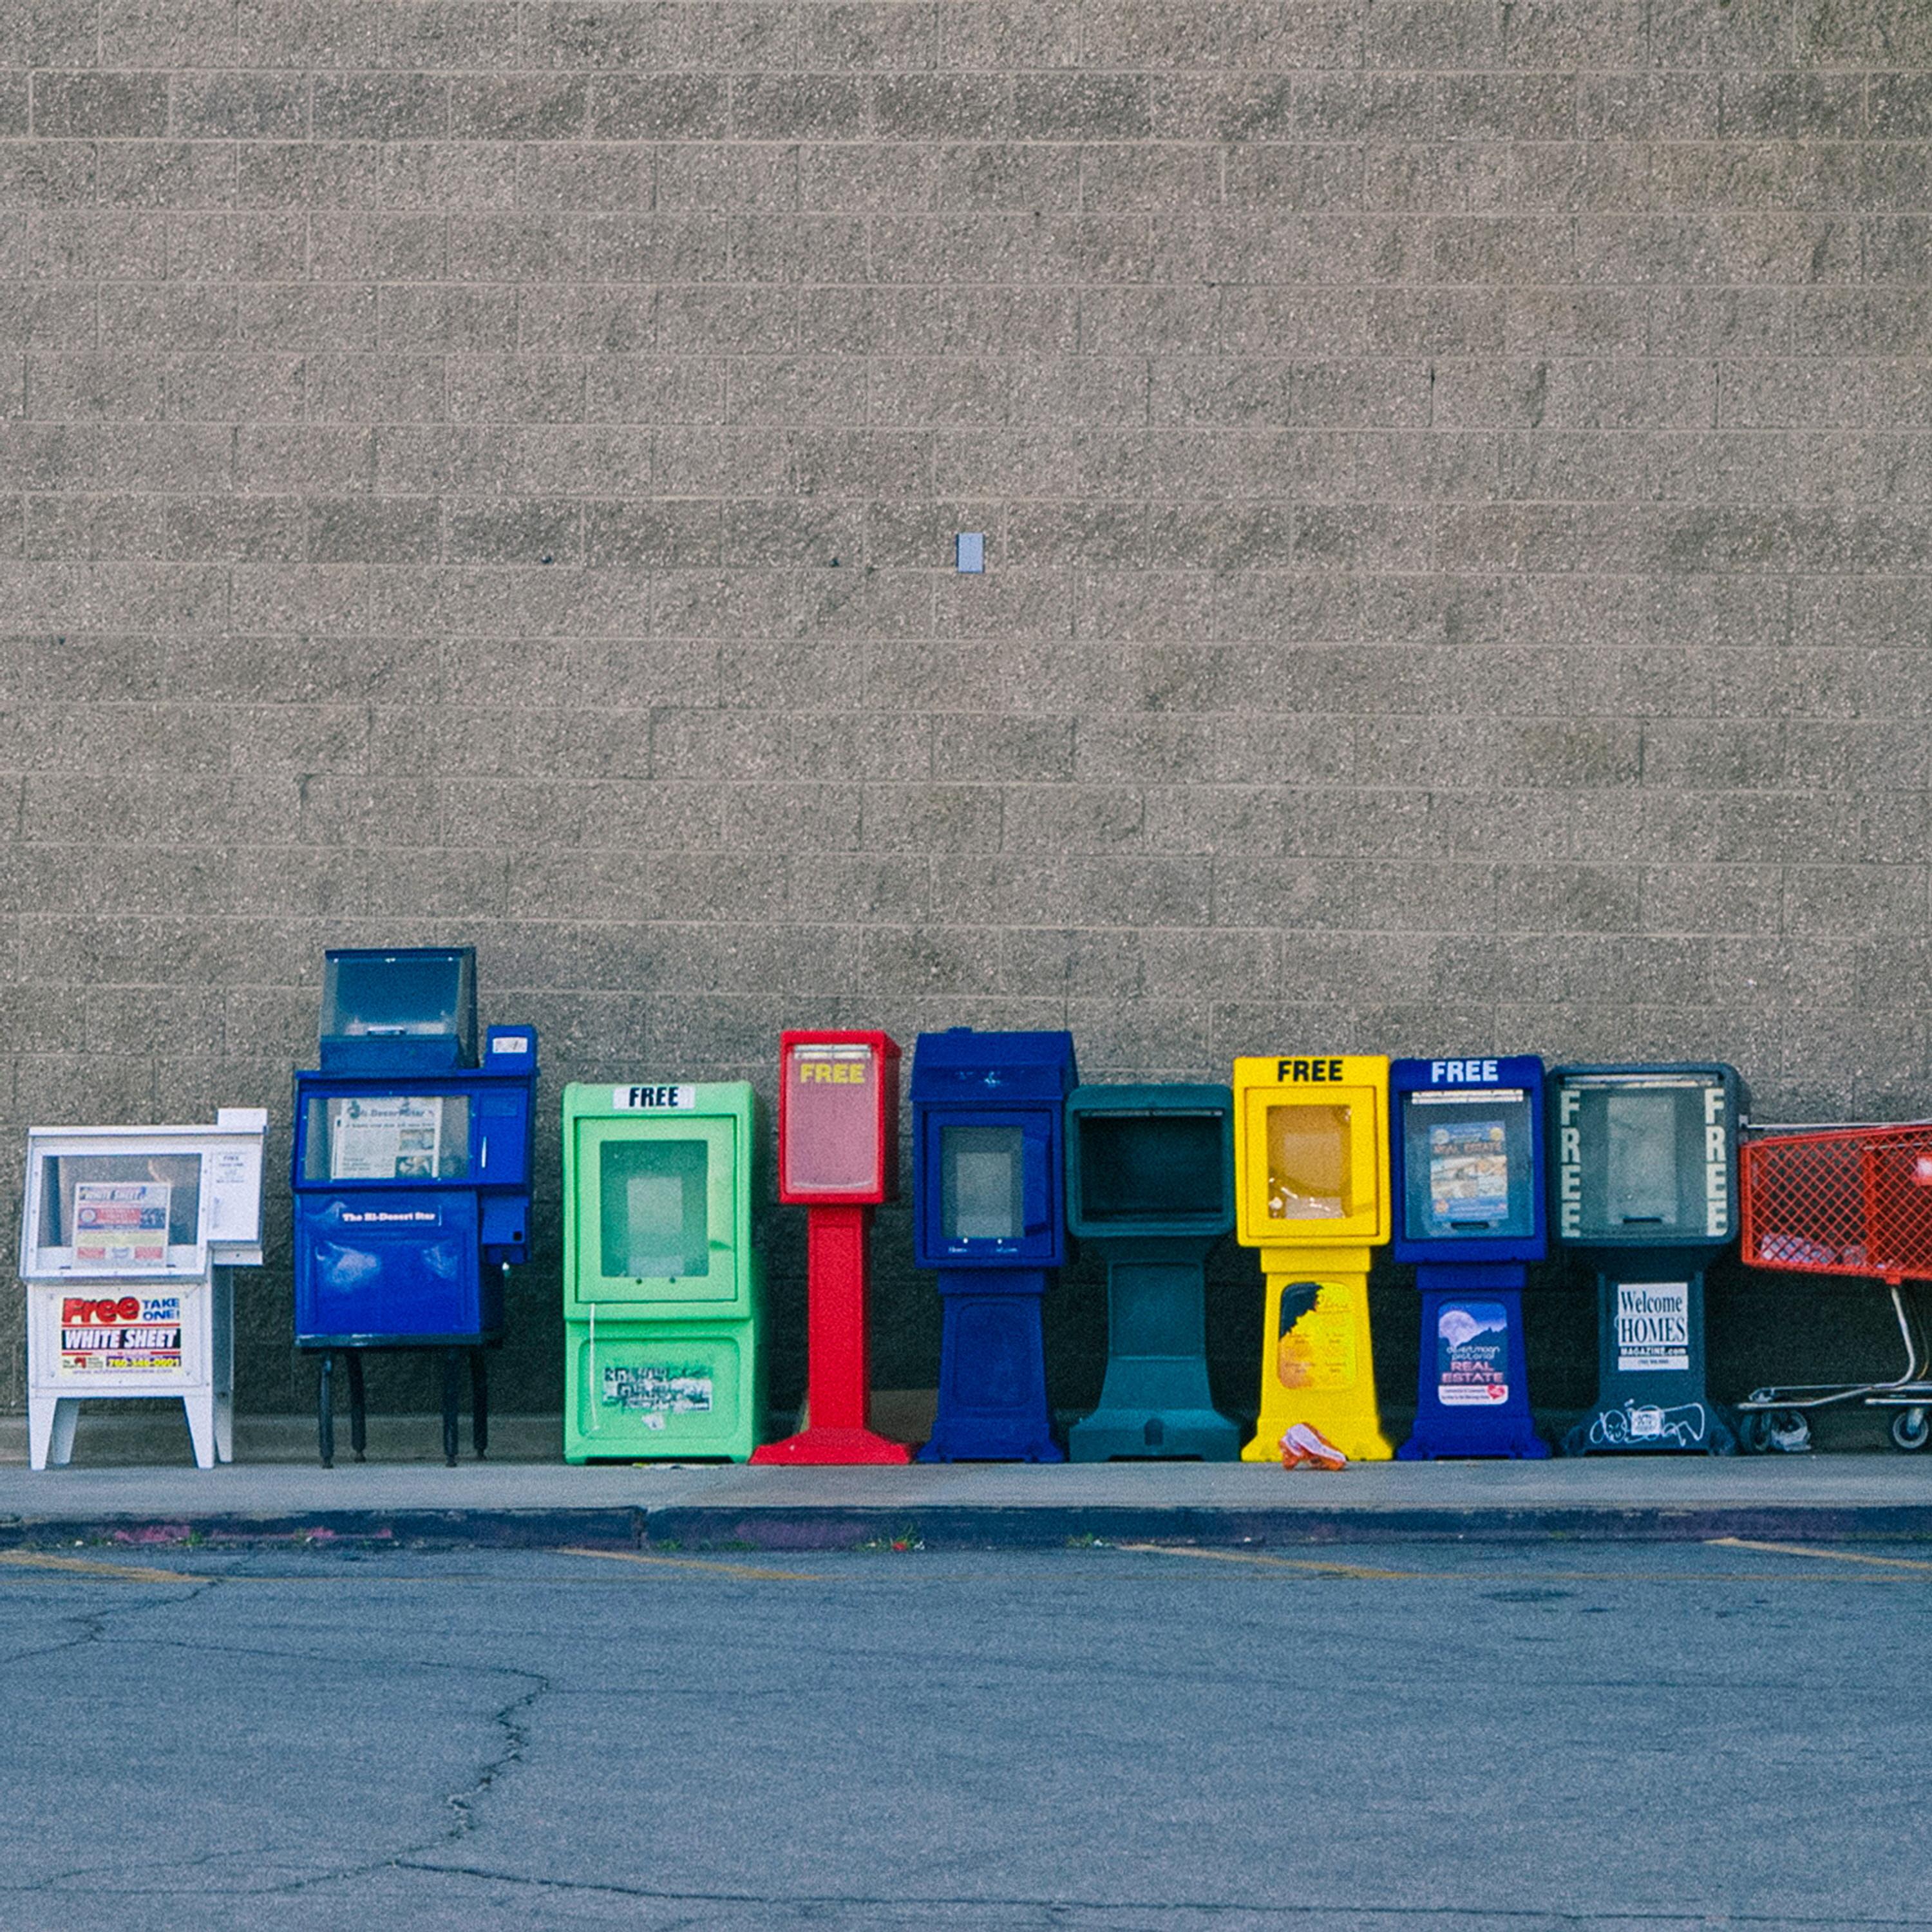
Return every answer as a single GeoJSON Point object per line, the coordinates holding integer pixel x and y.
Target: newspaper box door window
{"type": "Point", "coordinates": [832, 1121]}
{"type": "Point", "coordinates": [1308, 1163]}
{"type": "Point", "coordinates": [661, 1214]}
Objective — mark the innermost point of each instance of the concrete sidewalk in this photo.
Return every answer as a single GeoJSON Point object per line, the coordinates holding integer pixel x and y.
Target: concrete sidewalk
{"type": "Point", "coordinates": [547, 1504]}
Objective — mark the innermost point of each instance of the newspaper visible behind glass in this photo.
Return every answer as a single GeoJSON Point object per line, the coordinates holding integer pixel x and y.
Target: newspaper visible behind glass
{"type": "Point", "coordinates": [384, 1137]}
{"type": "Point", "coordinates": [122, 1223]}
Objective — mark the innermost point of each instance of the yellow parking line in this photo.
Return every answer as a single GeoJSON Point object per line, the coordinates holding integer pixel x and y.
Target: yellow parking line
{"type": "Point", "coordinates": [1255, 1558]}
{"type": "Point", "coordinates": [695, 1563]}
{"type": "Point", "coordinates": [1825, 1555]}
{"type": "Point", "coordinates": [79, 1566]}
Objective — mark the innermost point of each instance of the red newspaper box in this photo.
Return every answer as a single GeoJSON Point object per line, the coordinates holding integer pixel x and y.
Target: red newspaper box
{"type": "Point", "coordinates": [838, 1142]}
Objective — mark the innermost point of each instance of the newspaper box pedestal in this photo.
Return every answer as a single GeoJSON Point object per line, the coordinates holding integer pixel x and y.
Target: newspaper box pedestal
{"type": "Point", "coordinates": [127, 1241]}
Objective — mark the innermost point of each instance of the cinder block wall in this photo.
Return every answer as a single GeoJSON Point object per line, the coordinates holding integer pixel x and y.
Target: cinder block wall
{"type": "Point", "coordinates": [1458, 503]}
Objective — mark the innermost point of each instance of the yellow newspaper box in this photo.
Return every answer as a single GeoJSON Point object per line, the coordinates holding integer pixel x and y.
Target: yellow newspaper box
{"type": "Point", "coordinates": [1312, 1178]}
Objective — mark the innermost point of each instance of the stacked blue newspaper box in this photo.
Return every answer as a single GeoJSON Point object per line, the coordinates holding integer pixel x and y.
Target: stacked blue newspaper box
{"type": "Point", "coordinates": [411, 1174]}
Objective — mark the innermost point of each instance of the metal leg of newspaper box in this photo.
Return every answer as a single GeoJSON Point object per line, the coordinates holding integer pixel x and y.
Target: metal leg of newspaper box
{"type": "Point", "coordinates": [451, 1367]}
{"type": "Point", "coordinates": [359, 1408]}
{"type": "Point", "coordinates": [325, 1410]}
{"type": "Point", "coordinates": [479, 1401]}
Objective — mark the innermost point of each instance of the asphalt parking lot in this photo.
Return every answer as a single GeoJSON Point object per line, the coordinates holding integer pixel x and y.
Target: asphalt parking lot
{"type": "Point", "coordinates": [1377, 1736]}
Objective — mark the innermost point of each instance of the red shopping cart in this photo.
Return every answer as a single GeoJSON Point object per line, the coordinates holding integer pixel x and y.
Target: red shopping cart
{"type": "Point", "coordinates": [1853, 1201]}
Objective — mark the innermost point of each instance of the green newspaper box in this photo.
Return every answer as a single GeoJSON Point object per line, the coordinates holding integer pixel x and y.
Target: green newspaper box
{"type": "Point", "coordinates": [662, 1294]}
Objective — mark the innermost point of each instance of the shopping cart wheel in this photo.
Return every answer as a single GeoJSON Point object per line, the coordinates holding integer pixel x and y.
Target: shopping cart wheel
{"type": "Point", "coordinates": [1753, 1432]}
{"type": "Point", "coordinates": [1790, 1431]}
{"type": "Point", "coordinates": [1912, 1428]}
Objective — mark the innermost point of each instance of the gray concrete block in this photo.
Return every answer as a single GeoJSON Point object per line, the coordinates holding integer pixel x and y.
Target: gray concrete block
{"type": "Point", "coordinates": [304, 174]}
{"type": "Point", "coordinates": [266, 318]}
{"type": "Point", "coordinates": [1327, 175]}
{"type": "Point", "coordinates": [378, 247]}
{"type": "Point", "coordinates": [515, 107]}
{"type": "Point", "coordinates": [1346, 105]}
{"type": "Point", "coordinates": [1432, 33]}
{"type": "Point", "coordinates": [305, 458]}
{"type": "Point", "coordinates": [374, 530]}
{"type": "Point", "coordinates": [570, 175]}
{"type": "Point", "coordinates": [1087, 107]}
{"type": "Point", "coordinates": [431, 318]}
{"type": "Point", "coordinates": [1095, 535]}
{"type": "Point", "coordinates": [677, 247]}
{"type": "Point", "coordinates": [1865, 33]}
{"type": "Point", "coordinates": [86, 105]}
{"type": "Point", "coordinates": [867, 33]}
{"type": "Point", "coordinates": [235, 248]}
{"type": "Point", "coordinates": [167, 33]}
{"type": "Point", "coordinates": [847, 176]}
{"type": "Point", "coordinates": [238, 107]}
{"type": "Point", "coordinates": [942, 107]}
{"type": "Point", "coordinates": [931, 818]}
{"type": "Point", "coordinates": [694, 175]}
{"type": "Point", "coordinates": [50, 34]}
{"type": "Point", "coordinates": [791, 107]}
{"type": "Point", "coordinates": [380, 107]}
{"type": "Point", "coordinates": [448, 34]}
{"type": "Point", "coordinates": [1154, 176]}
{"type": "Point", "coordinates": [47, 175]}
{"type": "Point", "coordinates": [1562, 34]}
{"type": "Point", "coordinates": [998, 33]}
{"type": "Point", "coordinates": [646, 106]}
{"type": "Point", "coordinates": [804, 534]}
{"type": "Point", "coordinates": [982, 749]}
{"type": "Point", "coordinates": [1567, 898]}
{"type": "Point", "coordinates": [64, 247]}
{"type": "Point", "coordinates": [468, 176]}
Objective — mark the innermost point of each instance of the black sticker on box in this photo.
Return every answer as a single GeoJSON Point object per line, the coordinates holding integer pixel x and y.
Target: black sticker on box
{"type": "Point", "coordinates": [652, 1392]}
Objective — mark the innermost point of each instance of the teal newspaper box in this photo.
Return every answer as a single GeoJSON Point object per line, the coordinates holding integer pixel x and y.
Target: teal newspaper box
{"type": "Point", "coordinates": [1151, 1185]}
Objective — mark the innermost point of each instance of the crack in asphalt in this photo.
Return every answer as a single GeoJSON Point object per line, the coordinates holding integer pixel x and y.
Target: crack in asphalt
{"type": "Point", "coordinates": [1071, 1911]}
{"type": "Point", "coordinates": [94, 1623]}
{"type": "Point", "coordinates": [509, 1719]}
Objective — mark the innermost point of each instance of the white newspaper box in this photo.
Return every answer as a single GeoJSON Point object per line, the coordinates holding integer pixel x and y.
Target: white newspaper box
{"type": "Point", "coordinates": [127, 1236]}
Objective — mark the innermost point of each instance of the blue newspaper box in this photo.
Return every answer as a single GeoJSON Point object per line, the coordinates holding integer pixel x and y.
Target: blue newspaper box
{"type": "Point", "coordinates": [411, 1174]}
{"type": "Point", "coordinates": [1467, 1166]}
{"type": "Point", "coordinates": [1645, 1182]}
{"type": "Point", "coordinates": [989, 1214]}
